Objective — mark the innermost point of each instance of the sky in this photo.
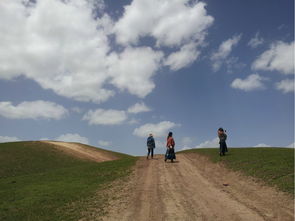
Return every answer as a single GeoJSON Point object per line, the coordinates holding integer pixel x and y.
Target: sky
{"type": "Point", "coordinates": [108, 73]}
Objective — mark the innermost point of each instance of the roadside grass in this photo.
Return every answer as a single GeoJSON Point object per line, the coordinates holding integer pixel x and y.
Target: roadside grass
{"type": "Point", "coordinates": [38, 182]}
{"type": "Point", "coordinates": [275, 166]}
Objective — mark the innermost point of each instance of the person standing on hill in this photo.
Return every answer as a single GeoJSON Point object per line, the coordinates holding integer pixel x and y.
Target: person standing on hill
{"type": "Point", "coordinates": [150, 145]}
{"type": "Point", "coordinates": [222, 141]}
{"type": "Point", "coordinates": [170, 153]}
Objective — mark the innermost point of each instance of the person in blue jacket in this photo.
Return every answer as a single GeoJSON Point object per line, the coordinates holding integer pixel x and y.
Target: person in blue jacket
{"type": "Point", "coordinates": [150, 145]}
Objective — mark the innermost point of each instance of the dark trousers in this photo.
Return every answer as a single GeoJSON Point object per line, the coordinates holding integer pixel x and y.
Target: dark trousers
{"type": "Point", "coordinates": [223, 147]}
{"type": "Point", "coordinates": [150, 151]}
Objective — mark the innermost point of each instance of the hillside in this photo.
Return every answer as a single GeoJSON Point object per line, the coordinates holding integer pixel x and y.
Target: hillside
{"type": "Point", "coordinates": [274, 166]}
{"type": "Point", "coordinates": [55, 180]}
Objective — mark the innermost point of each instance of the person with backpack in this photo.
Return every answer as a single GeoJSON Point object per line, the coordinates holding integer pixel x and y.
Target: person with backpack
{"type": "Point", "coordinates": [170, 153]}
{"type": "Point", "coordinates": [151, 146]}
{"type": "Point", "coordinates": [222, 141]}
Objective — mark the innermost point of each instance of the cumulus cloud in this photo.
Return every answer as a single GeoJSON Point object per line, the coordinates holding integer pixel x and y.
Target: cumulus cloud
{"type": "Point", "coordinates": [104, 143]}
{"type": "Point", "coordinates": [169, 22]}
{"type": "Point", "coordinates": [138, 107]}
{"type": "Point", "coordinates": [32, 110]}
{"type": "Point", "coordinates": [285, 86]}
{"type": "Point", "coordinates": [133, 69]}
{"type": "Point", "coordinates": [217, 58]}
{"type": "Point", "coordinates": [262, 145]}
{"type": "Point", "coordinates": [252, 82]}
{"type": "Point", "coordinates": [279, 57]}
{"type": "Point", "coordinates": [209, 143]}
{"type": "Point", "coordinates": [105, 117]}
{"type": "Point", "coordinates": [65, 46]}
{"type": "Point", "coordinates": [186, 143]}
{"type": "Point", "coordinates": [292, 145]}
{"type": "Point", "coordinates": [179, 24]}
{"type": "Point", "coordinates": [255, 41]}
{"type": "Point", "coordinates": [56, 43]}
{"type": "Point", "coordinates": [5, 139]}
{"type": "Point", "coordinates": [182, 58]}
{"type": "Point", "coordinates": [72, 138]}
{"type": "Point", "coordinates": [158, 130]}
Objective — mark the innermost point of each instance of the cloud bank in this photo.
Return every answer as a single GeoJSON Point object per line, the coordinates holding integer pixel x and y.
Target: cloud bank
{"type": "Point", "coordinates": [32, 110]}
{"type": "Point", "coordinates": [5, 139]}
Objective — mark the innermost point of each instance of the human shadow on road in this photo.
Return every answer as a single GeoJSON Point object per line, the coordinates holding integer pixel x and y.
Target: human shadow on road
{"type": "Point", "coordinates": [175, 161]}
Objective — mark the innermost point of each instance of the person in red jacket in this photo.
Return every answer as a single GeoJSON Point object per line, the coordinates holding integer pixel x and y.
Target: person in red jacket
{"type": "Point", "coordinates": [170, 153]}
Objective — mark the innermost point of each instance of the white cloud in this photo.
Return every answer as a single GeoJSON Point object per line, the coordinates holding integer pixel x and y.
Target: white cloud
{"type": "Point", "coordinates": [56, 43]}
{"type": "Point", "coordinates": [255, 41]}
{"type": "Point", "coordinates": [186, 141]}
{"type": "Point", "coordinates": [252, 82]}
{"type": "Point", "coordinates": [279, 57]}
{"type": "Point", "coordinates": [170, 22]}
{"type": "Point", "coordinates": [285, 86]}
{"type": "Point", "coordinates": [138, 108]}
{"type": "Point", "coordinates": [158, 130]}
{"type": "Point", "coordinates": [133, 69]}
{"type": "Point", "coordinates": [133, 121]}
{"type": "Point", "coordinates": [224, 50]}
{"type": "Point", "coordinates": [292, 145]}
{"type": "Point", "coordinates": [182, 58]}
{"type": "Point", "coordinates": [209, 143]}
{"type": "Point", "coordinates": [5, 139]}
{"type": "Point", "coordinates": [104, 143]}
{"type": "Point", "coordinates": [44, 138]}
{"type": "Point", "coordinates": [77, 110]}
{"type": "Point", "coordinates": [64, 46]}
{"type": "Point", "coordinates": [262, 145]}
{"type": "Point", "coordinates": [32, 110]}
{"type": "Point", "coordinates": [105, 117]}
{"type": "Point", "coordinates": [72, 138]}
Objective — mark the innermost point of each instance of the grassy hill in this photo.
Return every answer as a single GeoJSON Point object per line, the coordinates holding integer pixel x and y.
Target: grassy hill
{"type": "Point", "coordinates": [275, 166]}
{"type": "Point", "coordinates": [39, 182]}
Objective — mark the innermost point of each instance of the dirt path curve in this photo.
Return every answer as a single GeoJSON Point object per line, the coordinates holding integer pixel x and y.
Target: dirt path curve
{"type": "Point", "coordinates": [192, 189]}
{"type": "Point", "coordinates": [82, 151]}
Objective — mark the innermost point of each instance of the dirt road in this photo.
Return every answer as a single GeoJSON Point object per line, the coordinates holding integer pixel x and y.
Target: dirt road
{"type": "Point", "coordinates": [195, 189]}
{"type": "Point", "coordinates": [82, 151]}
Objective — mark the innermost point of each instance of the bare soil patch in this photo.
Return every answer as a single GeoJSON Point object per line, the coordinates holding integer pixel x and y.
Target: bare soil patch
{"type": "Point", "coordinates": [82, 151]}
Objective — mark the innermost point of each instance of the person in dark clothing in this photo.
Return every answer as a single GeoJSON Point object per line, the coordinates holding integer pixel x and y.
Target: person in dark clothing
{"type": "Point", "coordinates": [170, 153]}
{"type": "Point", "coordinates": [150, 145]}
{"type": "Point", "coordinates": [222, 141]}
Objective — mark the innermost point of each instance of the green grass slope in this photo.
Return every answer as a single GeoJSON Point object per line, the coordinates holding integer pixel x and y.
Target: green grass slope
{"type": "Point", "coordinates": [275, 166]}
{"type": "Point", "coordinates": [38, 182]}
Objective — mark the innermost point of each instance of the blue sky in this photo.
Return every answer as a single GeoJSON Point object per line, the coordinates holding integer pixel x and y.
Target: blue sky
{"type": "Point", "coordinates": [108, 73]}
